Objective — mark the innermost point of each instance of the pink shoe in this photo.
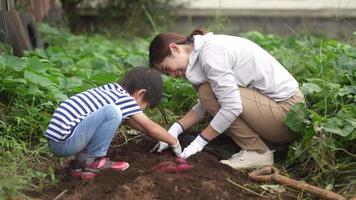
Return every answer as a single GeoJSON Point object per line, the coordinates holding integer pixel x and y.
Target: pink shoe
{"type": "Point", "coordinates": [87, 172]}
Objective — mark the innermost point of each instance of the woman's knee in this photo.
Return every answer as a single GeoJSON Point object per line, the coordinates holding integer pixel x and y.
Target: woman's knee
{"type": "Point", "coordinates": [208, 98]}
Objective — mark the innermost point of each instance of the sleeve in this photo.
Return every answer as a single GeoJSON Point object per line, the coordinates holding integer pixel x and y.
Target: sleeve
{"type": "Point", "coordinates": [215, 64]}
{"type": "Point", "coordinates": [199, 108]}
{"type": "Point", "coordinates": [128, 106]}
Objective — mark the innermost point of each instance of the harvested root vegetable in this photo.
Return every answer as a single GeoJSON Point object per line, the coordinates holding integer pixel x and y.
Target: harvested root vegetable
{"type": "Point", "coordinates": [176, 166]}
{"type": "Point", "coordinates": [184, 167]}
{"type": "Point", "coordinates": [181, 160]}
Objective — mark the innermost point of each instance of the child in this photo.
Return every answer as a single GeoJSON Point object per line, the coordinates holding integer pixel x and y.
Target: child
{"type": "Point", "coordinates": [85, 124]}
{"type": "Point", "coordinates": [247, 91]}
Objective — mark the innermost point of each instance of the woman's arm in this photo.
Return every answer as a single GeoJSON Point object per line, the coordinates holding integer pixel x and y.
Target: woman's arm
{"type": "Point", "coordinates": [189, 120]}
{"type": "Point", "coordinates": [153, 129]}
{"type": "Point", "coordinates": [209, 133]}
{"type": "Point", "coordinates": [217, 69]}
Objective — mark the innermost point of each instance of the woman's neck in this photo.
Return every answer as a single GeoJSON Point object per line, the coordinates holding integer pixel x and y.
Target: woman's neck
{"type": "Point", "coordinates": [188, 48]}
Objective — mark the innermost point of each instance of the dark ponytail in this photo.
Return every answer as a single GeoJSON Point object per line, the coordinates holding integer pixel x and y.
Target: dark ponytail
{"type": "Point", "coordinates": [159, 47]}
{"type": "Point", "coordinates": [190, 37]}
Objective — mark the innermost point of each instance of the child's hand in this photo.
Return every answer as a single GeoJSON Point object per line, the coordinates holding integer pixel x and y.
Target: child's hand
{"type": "Point", "coordinates": [159, 147]}
{"type": "Point", "coordinates": [175, 130]}
{"type": "Point", "coordinates": [177, 149]}
{"type": "Point", "coordinates": [196, 146]}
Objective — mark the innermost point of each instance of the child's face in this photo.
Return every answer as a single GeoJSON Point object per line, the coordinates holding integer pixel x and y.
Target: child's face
{"type": "Point", "coordinates": [175, 64]}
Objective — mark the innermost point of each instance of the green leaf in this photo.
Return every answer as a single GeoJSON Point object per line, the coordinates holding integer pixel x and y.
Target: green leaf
{"type": "Point", "coordinates": [37, 66]}
{"type": "Point", "coordinates": [332, 127]}
{"type": "Point", "coordinates": [12, 62]}
{"type": "Point", "coordinates": [343, 91]}
{"type": "Point", "coordinates": [37, 79]}
{"type": "Point", "coordinates": [34, 90]}
{"type": "Point", "coordinates": [352, 121]}
{"type": "Point", "coordinates": [60, 96]}
{"type": "Point", "coordinates": [102, 78]}
{"type": "Point", "coordinates": [72, 82]}
{"type": "Point", "coordinates": [296, 117]}
{"type": "Point", "coordinates": [342, 124]}
{"type": "Point", "coordinates": [310, 88]}
{"type": "Point", "coordinates": [13, 80]}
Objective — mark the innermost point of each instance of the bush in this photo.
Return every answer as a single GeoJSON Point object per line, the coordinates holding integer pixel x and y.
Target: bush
{"type": "Point", "coordinates": [121, 16]}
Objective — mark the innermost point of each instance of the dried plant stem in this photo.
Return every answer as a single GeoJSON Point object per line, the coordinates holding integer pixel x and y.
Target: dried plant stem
{"type": "Point", "coordinates": [244, 188]}
{"type": "Point", "coordinates": [127, 140]}
{"type": "Point", "coordinates": [60, 194]}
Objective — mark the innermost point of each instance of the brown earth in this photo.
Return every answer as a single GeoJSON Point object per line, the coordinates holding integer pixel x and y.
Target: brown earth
{"type": "Point", "coordinates": [209, 179]}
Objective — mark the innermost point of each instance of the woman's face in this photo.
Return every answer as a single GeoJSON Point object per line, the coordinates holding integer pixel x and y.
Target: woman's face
{"type": "Point", "coordinates": [175, 64]}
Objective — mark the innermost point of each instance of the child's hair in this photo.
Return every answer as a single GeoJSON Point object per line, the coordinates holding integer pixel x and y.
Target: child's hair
{"type": "Point", "coordinates": [159, 47]}
{"type": "Point", "coordinates": [144, 78]}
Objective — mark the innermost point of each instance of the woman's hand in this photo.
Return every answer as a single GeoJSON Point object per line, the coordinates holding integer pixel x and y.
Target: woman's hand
{"type": "Point", "coordinates": [194, 147]}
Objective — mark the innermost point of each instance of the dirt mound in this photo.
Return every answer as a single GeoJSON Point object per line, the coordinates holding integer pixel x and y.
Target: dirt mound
{"type": "Point", "coordinates": [208, 179]}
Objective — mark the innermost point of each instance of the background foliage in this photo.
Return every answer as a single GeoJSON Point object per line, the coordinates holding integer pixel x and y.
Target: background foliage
{"type": "Point", "coordinates": [125, 17]}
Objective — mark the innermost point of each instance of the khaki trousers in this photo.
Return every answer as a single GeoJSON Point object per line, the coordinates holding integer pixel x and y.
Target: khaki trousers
{"type": "Point", "coordinates": [261, 119]}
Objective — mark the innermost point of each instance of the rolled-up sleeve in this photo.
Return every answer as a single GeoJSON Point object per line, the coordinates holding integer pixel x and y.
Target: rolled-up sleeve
{"type": "Point", "coordinates": [215, 64]}
{"type": "Point", "coordinates": [199, 109]}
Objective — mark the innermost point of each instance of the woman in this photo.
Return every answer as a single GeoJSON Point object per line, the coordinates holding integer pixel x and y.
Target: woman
{"type": "Point", "coordinates": [246, 90]}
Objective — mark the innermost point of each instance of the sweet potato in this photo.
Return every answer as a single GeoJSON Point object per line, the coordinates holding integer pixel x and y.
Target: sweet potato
{"type": "Point", "coordinates": [184, 167]}
{"type": "Point", "coordinates": [170, 169]}
{"type": "Point", "coordinates": [181, 160]}
{"type": "Point", "coordinates": [176, 166]}
{"type": "Point", "coordinates": [161, 165]}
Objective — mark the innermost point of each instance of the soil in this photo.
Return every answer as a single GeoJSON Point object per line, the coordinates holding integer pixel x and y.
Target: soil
{"type": "Point", "coordinates": [208, 179]}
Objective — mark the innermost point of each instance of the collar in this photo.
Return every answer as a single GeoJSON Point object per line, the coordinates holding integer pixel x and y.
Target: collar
{"type": "Point", "coordinates": [199, 41]}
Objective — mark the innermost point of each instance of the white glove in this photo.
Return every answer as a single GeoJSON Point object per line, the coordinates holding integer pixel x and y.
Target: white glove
{"type": "Point", "coordinates": [177, 149]}
{"type": "Point", "coordinates": [175, 130]}
{"type": "Point", "coordinates": [196, 146]}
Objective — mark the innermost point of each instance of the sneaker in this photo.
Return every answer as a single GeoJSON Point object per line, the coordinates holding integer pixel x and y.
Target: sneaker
{"type": "Point", "coordinates": [249, 159]}
{"type": "Point", "coordinates": [76, 168]}
{"type": "Point", "coordinates": [79, 169]}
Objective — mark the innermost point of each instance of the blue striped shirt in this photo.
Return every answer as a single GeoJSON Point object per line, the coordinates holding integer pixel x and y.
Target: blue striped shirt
{"type": "Point", "coordinates": [73, 110]}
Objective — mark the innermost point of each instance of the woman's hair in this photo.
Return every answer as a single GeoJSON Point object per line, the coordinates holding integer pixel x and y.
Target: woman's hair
{"type": "Point", "coordinates": [159, 47]}
{"type": "Point", "coordinates": [144, 78]}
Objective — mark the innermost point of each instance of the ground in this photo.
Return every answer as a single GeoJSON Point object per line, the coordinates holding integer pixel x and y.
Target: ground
{"type": "Point", "coordinates": [208, 179]}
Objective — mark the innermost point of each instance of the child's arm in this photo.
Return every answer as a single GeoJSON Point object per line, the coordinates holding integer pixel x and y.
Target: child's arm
{"type": "Point", "coordinates": [134, 125]}
{"type": "Point", "coordinates": [153, 129]}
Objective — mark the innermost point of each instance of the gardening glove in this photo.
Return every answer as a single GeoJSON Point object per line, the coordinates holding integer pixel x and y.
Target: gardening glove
{"type": "Point", "coordinates": [176, 148]}
{"type": "Point", "coordinates": [175, 130]}
{"type": "Point", "coordinates": [196, 146]}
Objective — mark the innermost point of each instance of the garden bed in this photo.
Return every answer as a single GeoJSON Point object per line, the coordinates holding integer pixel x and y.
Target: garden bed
{"type": "Point", "coordinates": [208, 179]}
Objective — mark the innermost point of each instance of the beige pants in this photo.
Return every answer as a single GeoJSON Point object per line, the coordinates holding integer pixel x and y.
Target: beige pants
{"type": "Point", "coordinates": [261, 119]}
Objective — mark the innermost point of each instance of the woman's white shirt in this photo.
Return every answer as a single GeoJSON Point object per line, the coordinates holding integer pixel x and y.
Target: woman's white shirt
{"type": "Point", "coordinates": [229, 62]}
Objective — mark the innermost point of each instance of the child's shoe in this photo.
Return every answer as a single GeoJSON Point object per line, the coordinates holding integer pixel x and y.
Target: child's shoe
{"type": "Point", "coordinates": [249, 159]}
{"type": "Point", "coordinates": [87, 172]}
{"type": "Point", "coordinates": [76, 168]}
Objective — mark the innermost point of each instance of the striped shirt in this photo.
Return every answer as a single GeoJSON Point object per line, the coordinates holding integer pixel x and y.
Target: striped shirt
{"type": "Point", "coordinates": [73, 110]}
